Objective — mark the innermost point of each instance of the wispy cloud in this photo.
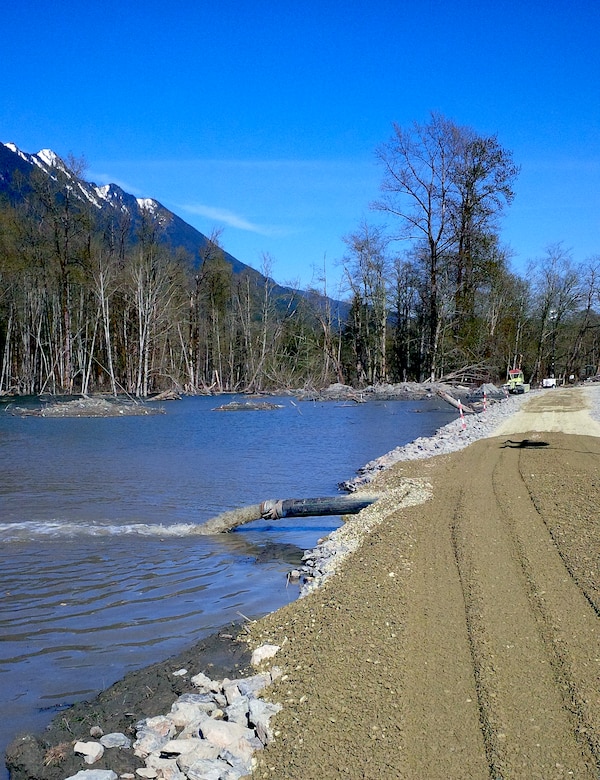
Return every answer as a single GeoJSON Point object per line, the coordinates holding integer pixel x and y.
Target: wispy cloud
{"type": "Point", "coordinates": [231, 219]}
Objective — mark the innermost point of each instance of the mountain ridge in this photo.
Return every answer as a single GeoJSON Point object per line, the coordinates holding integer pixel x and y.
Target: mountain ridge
{"type": "Point", "coordinates": [175, 232]}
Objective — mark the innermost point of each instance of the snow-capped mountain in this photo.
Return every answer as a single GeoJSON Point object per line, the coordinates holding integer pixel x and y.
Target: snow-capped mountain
{"type": "Point", "coordinates": [108, 200]}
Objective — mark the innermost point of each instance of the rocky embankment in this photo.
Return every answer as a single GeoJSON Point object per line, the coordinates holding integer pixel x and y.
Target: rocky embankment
{"type": "Point", "coordinates": [381, 392]}
{"type": "Point", "coordinates": [450, 438]}
{"type": "Point", "coordinates": [211, 731]}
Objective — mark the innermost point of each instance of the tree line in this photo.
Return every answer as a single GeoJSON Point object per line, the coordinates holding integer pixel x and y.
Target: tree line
{"type": "Point", "coordinates": [88, 306]}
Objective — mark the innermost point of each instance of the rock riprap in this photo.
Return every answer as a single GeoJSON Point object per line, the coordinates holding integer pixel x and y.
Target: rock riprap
{"type": "Point", "coordinates": [211, 734]}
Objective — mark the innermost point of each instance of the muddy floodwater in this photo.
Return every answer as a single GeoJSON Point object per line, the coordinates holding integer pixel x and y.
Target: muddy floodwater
{"type": "Point", "coordinates": [101, 569]}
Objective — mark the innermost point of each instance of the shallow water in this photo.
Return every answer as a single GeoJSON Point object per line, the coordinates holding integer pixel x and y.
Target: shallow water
{"type": "Point", "coordinates": [102, 569]}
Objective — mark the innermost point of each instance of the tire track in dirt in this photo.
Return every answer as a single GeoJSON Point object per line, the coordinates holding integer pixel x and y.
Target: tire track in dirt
{"type": "Point", "coordinates": [567, 604]}
{"type": "Point", "coordinates": [529, 627]}
{"type": "Point", "coordinates": [566, 498]}
{"type": "Point", "coordinates": [442, 730]}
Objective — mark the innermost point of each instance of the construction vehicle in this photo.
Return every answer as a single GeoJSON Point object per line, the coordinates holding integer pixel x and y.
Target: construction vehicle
{"type": "Point", "coordinates": [516, 382]}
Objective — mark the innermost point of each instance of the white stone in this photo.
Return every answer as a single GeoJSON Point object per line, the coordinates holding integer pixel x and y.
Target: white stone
{"type": "Point", "coordinates": [202, 681]}
{"type": "Point", "coordinates": [180, 673]}
{"type": "Point", "coordinates": [231, 691]}
{"type": "Point", "coordinates": [202, 751]}
{"type": "Point", "coordinates": [152, 734]}
{"type": "Point", "coordinates": [166, 768]}
{"type": "Point", "coordinates": [242, 767]}
{"type": "Point", "coordinates": [250, 686]}
{"type": "Point", "coordinates": [148, 772]}
{"type": "Point", "coordinates": [94, 774]}
{"type": "Point", "coordinates": [184, 712]}
{"type": "Point", "coordinates": [238, 711]}
{"type": "Point", "coordinates": [159, 723]}
{"type": "Point", "coordinates": [276, 673]}
{"type": "Point", "coordinates": [239, 740]}
{"type": "Point", "coordinates": [263, 652]}
{"type": "Point", "coordinates": [192, 729]}
{"type": "Point", "coordinates": [91, 751]}
{"type": "Point", "coordinates": [209, 770]}
{"type": "Point", "coordinates": [178, 746]}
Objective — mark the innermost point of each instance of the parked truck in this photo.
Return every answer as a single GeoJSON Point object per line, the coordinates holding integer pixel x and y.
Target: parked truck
{"type": "Point", "coordinates": [516, 382]}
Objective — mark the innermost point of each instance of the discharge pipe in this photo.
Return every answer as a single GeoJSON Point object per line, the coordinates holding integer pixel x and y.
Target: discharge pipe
{"type": "Point", "coordinates": [275, 509]}
{"type": "Point", "coordinates": [309, 507]}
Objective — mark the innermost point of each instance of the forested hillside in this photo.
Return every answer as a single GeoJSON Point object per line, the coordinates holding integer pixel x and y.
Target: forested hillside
{"type": "Point", "coordinates": [95, 299]}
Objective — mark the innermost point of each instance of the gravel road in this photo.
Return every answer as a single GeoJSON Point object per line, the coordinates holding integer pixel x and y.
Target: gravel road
{"type": "Point", "coordinates": [461, 639]}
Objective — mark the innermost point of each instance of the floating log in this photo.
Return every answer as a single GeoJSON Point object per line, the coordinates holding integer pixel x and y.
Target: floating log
{"type": "Point", "coordinates": [453, 402]}
{"type": "Point", "coordinates": [275, 509]}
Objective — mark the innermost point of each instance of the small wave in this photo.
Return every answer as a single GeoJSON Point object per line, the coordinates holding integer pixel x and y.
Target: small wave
{"type": "Point", "coordinates": [18, 532]}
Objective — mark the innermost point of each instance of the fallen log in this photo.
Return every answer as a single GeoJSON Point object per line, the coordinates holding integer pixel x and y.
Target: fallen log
{"type": "Point", "coordinates": [453, 402]}
{"type": "Point", "coordinates": [275, 509]}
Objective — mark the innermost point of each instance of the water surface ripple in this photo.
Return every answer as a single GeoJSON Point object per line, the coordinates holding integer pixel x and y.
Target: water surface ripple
{"type": "Point", "coordinates": [101, 569]}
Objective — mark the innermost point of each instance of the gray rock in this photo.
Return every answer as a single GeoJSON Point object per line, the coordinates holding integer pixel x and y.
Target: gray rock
{"type": "Point", "coordinates": [196, 698]}
{"type": "Point", "coordinates": [184, 712]}
{"type": "Point", "coordinates": [259, 715]}
{"type": "Point", "coordinates": [250, 686]}
{"type": "Point", "coordinates": [230, 691]}
{"type": "Point", "coordinates": [206, 769]}
{"type": "Point", "coordinates": [115, 740]}
{"type": "Point", "coordinates": [237, 712]}
{"type": "Point", "coordinates": [166, 768]}
{"type": "Point", "coordinates": [205, 683]}
{"type": "Point", "coordinates": [239, 740]}
{"type": "Point", "coordinates": [152, 734]}
{"type": "Point", "coordinates": [242, 766]}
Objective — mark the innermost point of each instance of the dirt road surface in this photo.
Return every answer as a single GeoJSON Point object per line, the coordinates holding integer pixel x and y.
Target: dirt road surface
{"type": "Point", "coordinates": [462, 639]}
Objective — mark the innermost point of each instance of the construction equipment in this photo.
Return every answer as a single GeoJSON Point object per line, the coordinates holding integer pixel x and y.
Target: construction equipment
{"type": "Point", "coordinates": [516, 382]}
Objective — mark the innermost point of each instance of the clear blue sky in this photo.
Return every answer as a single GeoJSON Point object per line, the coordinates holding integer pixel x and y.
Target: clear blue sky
{"type": "Point", "coordinates": [262, 117]}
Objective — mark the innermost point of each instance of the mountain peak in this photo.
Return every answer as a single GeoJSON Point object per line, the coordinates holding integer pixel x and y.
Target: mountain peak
{"type": "Point", "coordinates": [14, 148]}
{"type": "Point", "coordinates": [49, 157]}
{"type": "Point", "coordinates": [149, 204]}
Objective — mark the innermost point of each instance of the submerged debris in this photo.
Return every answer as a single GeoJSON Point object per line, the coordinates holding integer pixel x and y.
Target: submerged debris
{"type": "Point", "coordinates": [247, 406]}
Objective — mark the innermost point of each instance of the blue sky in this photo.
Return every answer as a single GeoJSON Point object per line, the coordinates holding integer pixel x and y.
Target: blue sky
{"type": "Point", "coordinates": [262, 118]}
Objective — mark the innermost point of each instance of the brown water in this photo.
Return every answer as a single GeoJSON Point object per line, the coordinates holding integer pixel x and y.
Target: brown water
{"type": "Point", "coordinates": [227, 521]}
